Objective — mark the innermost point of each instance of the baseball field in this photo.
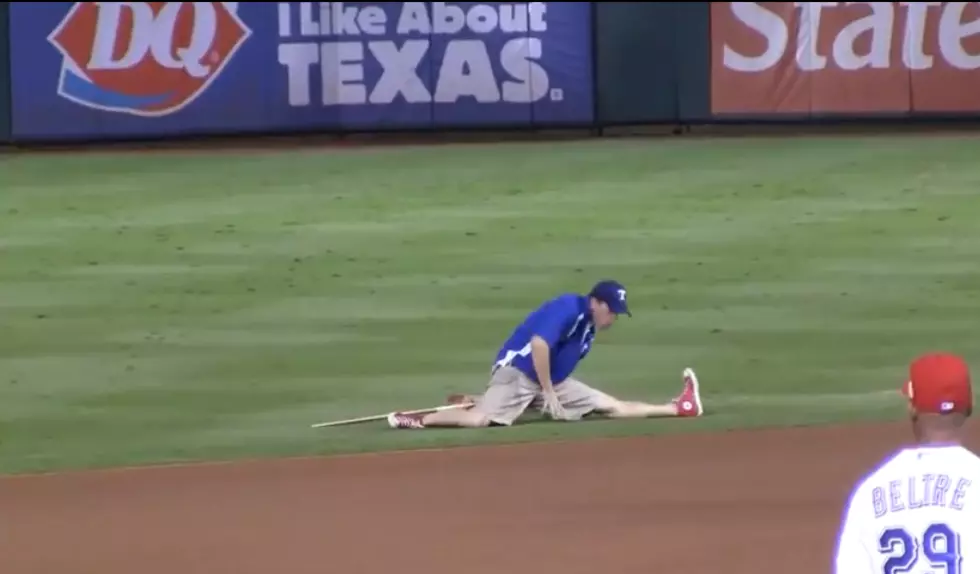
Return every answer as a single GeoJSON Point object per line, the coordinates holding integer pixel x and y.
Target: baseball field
{"type": "Point", "coordinates": [174, 322]}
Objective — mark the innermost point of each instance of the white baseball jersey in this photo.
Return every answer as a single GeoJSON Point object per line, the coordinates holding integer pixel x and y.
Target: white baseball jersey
{"type": "Point", "coordinates": [918, 513]}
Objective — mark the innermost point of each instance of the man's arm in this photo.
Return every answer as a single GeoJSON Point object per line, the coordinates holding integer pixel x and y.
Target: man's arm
{"type": "Point", "coordinates": [541, 357]}
{"type": "Point", "coordinates": [548, 329]}
{"type": "Point", "coordinates": [852, 555]}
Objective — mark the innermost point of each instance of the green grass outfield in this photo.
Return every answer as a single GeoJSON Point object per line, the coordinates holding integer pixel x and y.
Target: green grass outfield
{"type": "Point", "coordinates": [168, 306]}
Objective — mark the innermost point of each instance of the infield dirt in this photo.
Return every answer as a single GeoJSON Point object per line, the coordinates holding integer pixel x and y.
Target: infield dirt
{"type": "Point", "coordinates": [737, 502]}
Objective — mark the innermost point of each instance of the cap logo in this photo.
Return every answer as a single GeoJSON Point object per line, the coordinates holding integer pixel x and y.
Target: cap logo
{"type": "Point", "coordinates": [947, 406]}
{"type": "Point", "coordinates": [622, 294]}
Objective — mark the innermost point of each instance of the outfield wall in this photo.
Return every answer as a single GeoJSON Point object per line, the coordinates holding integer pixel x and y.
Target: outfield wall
{"type": "Point", "coordinates": [69, 71]}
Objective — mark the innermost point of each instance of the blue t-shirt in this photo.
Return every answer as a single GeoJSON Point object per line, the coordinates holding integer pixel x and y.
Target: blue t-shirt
{"type": "Point", "coordinates": [565, 322]}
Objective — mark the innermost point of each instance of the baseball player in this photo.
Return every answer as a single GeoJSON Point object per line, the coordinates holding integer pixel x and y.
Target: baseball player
{"type": "Point", "coordinates": [535, 364]}
{"type": "Point", "coordinates": [919, 512]}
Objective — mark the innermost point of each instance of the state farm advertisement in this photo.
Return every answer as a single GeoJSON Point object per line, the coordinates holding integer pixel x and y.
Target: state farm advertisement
{"type": "Point", "coordinates": [845, 57]}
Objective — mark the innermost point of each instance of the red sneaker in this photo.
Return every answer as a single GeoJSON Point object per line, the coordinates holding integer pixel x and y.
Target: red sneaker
{"type": "Point", "coordinates": [689, 401]}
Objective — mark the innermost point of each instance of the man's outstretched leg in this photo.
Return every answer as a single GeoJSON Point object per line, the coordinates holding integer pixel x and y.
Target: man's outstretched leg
{"type": "Point", "coordinates": [687, 404]}
{"type": "Point", "coordinates": [507, 396]}
{"type": "Point", "coordinates": [462, 418]}
{"type": "Point", "coordinates": [580, 400]}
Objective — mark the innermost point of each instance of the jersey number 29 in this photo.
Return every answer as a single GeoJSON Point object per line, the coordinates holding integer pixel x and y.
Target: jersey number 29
{"type": "Point", "coordinates": [939, 546]}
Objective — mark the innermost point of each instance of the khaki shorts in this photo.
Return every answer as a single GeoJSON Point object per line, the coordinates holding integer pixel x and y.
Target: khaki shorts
{"type": "Point", "coordinates": [510, 392]}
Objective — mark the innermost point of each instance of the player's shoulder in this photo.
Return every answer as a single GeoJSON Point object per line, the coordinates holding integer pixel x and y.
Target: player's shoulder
{"type": "Point", "coordinates": [966, 455]}
{"type": "Point", "coordinates": [899, 458]}
{"type": "Point", "coordinates": [969, 460]}
{"type": "Point", "coordinates": [563, 303]}
{"type": "Point", "coordinates": [885, 467]}
{"type": "Point", "coordinates": [569, 299]}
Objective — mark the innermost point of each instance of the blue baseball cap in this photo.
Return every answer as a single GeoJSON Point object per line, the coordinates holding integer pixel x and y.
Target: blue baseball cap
{"type": "Point", "coordinates": [613, 294]}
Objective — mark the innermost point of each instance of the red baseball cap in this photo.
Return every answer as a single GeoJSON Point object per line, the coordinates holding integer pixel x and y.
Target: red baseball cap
{"type": "Point", "coordinates": [939, 383]}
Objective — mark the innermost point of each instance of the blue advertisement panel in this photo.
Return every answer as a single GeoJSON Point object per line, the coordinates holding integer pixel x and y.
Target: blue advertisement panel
{"type": "Point", "coordinates": [4, 75]}
{"type": "Point", "coordinates": [131, 69]}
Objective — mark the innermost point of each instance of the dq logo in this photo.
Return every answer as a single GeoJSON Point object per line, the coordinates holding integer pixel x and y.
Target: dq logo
{"type": "Point", "coordinates": [147, 59]}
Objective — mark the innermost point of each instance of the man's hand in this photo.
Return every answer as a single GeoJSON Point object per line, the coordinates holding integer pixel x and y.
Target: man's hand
{"type": "Point", "coordinates": [552, 406]}
{"type": "Point", "coordinates": [541, 356]}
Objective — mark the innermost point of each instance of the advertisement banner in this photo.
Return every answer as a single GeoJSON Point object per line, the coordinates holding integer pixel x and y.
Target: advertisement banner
{"type": "Point", "coordinates": [845, 57]}
{"type": "Point", "coordinates": [132, 69]}
{"type": "Point", "coordinates": [4, 74]}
